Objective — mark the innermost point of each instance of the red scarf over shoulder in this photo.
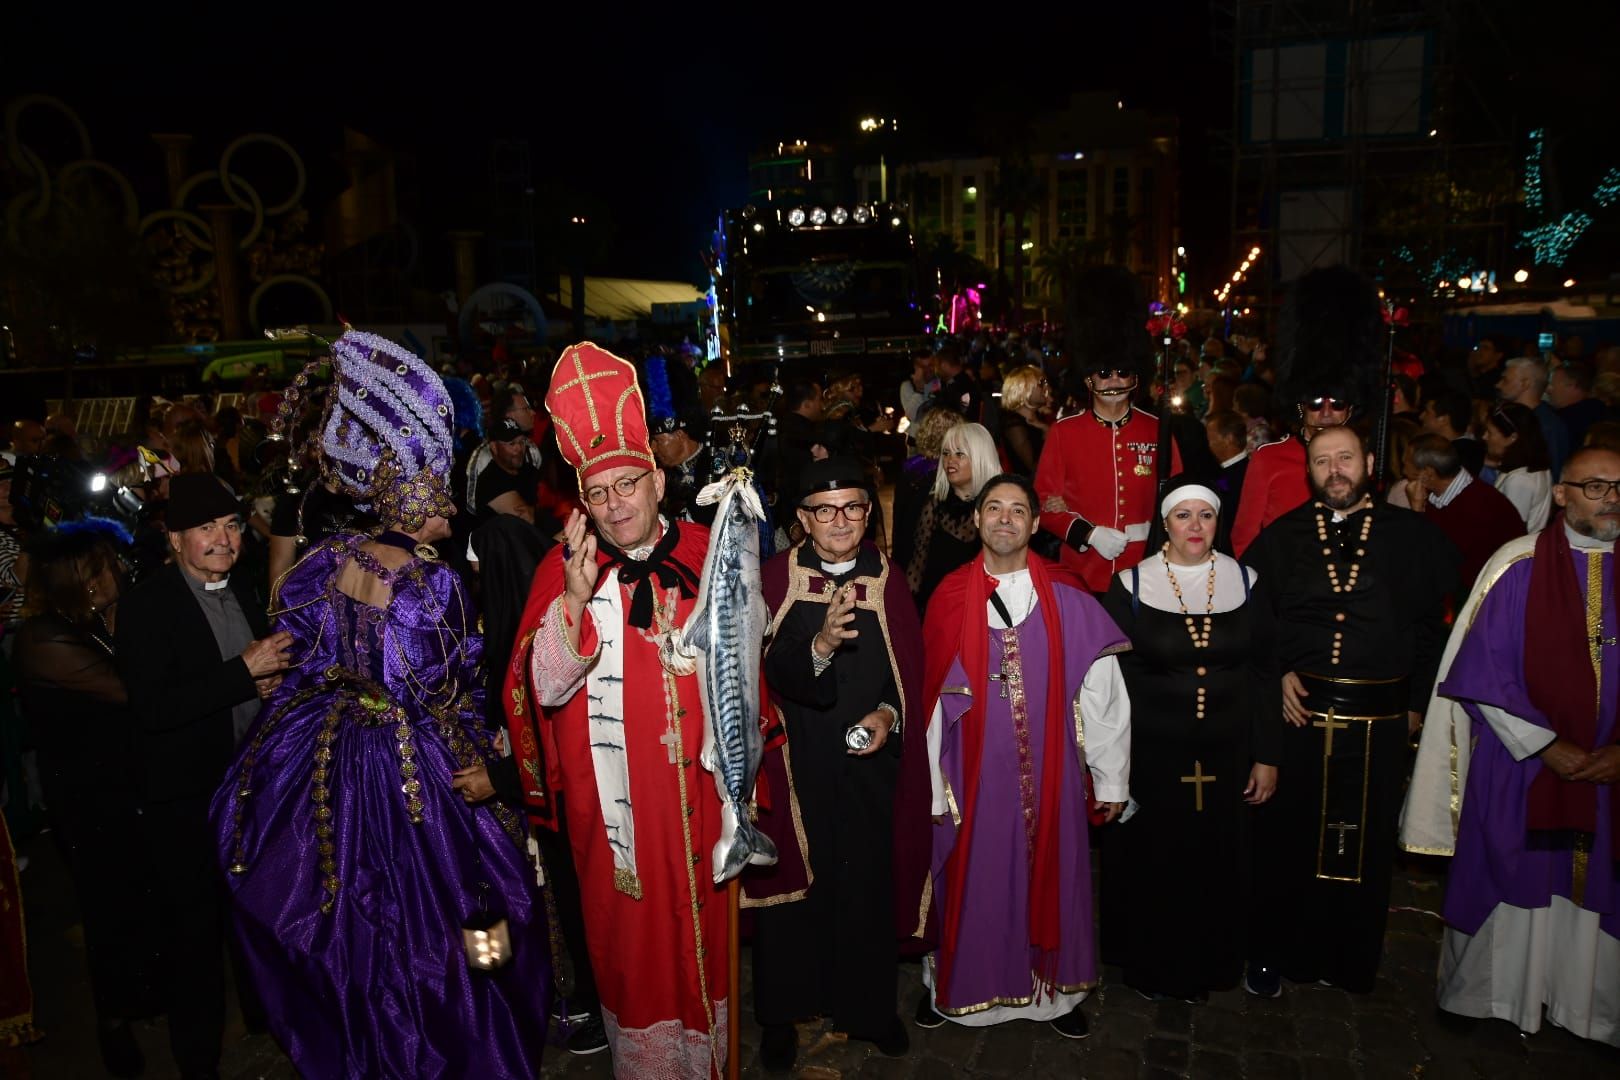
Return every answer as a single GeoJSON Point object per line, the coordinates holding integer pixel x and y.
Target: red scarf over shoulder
{"type": "Point", "coordinates": [957, 624]}
{"type": "Point", "coordinates": [1561, 680]}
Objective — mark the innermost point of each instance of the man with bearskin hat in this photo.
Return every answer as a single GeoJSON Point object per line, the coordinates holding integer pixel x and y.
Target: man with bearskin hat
{"type": "Point", "coordinates": [1098, 473]}
{"type": "Point", "coordinates": [1328, 365]}
{"type": "Point", "coordinates": [1359, 596]}
{"type": "Point", "coordinates": [598, 720]}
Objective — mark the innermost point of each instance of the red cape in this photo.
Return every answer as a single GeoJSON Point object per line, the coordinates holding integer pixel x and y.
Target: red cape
{"type": "Point", "coordinates": [534, 743]}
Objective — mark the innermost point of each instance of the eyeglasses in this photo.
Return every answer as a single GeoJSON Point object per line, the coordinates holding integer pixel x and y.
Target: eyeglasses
{"type": "Point", "coordinates": [825, 512]}
{"type": "Point", "coordinates": [625, 486]}
{"type": "Point", "coordinates": [1317, 404]}
{"type": "Point", "coordinates": [1113, 373]}
{"type": "Point", "coordinates": [1595, 488]}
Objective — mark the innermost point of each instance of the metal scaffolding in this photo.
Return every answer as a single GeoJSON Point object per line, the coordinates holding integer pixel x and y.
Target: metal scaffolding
{"type": "Point", "coordinates": [1361, 135]}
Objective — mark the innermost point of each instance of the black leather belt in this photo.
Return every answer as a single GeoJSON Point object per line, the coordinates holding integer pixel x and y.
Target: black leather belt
{"type": "Point", "coordinates": [1355, 699]}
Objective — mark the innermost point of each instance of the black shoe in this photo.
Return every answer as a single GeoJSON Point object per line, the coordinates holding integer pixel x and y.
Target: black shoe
{"type": "Point", "coordinates": [927, 1016]}
{"type": "Point", "coordinates": [1073, 1025]}
{"type": "Point", "coordinates": [1262, 981]}
{"type": "Point", "coordinates": [779, 1048]}
{"type": "Point", "coordinates": [896, 1043]}
{"type": "Point", "coordinates": [566, 1012]}
{"type": "Point", "coordinates": [588, 1037]}
{"type": "Point", "coordinates": [120, 1053]}
{"type": "Point", "coordinates": [1456, 1023]}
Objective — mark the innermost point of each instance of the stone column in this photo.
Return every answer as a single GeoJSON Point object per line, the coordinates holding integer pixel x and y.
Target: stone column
{"type": "Point", "coordinates": [176, 164]}
{"type": "Point", "coordinates": [227, 271]}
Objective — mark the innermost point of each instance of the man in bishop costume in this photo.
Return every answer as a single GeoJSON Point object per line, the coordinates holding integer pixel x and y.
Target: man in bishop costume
{"type": "Point", "coordinates": [1517, 770]}
{"type": "Point", "coordinates": [615, 734]}
{"type": "Point", "coordinates": [1028, 737]}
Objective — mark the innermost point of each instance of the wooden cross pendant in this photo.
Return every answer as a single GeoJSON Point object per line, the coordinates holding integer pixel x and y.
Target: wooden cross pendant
{"type": "Point", "coordinates": [1198, 779]}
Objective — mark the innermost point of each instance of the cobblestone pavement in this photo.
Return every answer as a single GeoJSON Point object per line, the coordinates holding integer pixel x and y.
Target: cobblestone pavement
{"type": "Point", "coordinates": [1310, 1033]}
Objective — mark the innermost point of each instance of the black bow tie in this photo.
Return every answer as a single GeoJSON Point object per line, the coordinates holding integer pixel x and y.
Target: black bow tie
{"type": "Point", "coordinates": [641, 572]}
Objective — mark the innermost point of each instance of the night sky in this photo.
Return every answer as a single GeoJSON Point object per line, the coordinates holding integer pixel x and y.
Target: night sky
{"type": "Point", "coordinates": [654, 116]}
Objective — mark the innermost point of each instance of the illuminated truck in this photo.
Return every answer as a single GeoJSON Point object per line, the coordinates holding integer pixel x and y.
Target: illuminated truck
{"type": "Point", "coordinates": [817, 288]}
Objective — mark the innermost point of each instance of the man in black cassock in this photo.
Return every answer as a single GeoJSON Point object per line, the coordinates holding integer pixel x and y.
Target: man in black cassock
{"type": "Point", "coordinates": [1358, 591]}
{"type": "Point", "coordinates": [843, 669]}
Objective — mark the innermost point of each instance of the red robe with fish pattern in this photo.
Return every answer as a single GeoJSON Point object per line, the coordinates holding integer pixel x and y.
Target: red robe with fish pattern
{"type": "Point", "coordinates": [658, 945]}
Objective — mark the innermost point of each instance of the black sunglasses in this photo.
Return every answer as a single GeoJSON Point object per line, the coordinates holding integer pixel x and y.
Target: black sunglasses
{"type": "Point", "coordinates": [1112, 373]}
{"type": "Point", "coordinates": [1317, 404]}
{"type": "Point", "coordinates": [1505, 422]}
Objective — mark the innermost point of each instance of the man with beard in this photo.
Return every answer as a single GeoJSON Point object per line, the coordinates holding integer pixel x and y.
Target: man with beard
{"type": "Point", "coordinates": [1523, 728]}
{"type": "Point", "coordinates": [1329, 337]}
{"type": "Point", "coordinates": [844, 669]}
{"type": "Point", "coordinates": [1358, 594]}
{"type": "Point", "coordinates": [1098, 473]}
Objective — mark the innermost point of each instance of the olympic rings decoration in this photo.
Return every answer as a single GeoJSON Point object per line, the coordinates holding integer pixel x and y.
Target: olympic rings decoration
{"type": "Point", "coordinates": [288, 279]}
{"type": "Point", "coordinates": [132, 204]}
{"type": "Point", "coordinates": [226, 179]}
{"type": "Point", "coordinates": [255, 206]}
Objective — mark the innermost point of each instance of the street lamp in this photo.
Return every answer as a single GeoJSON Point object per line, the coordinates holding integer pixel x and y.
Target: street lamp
{"type": "Point", "coordinates": [871, 125]}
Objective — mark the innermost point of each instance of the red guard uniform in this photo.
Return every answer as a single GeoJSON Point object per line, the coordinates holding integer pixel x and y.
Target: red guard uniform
{"type": "Point", "coordinates": [1274, 485]}
{"type": "Point", "coordinates": [1101, 473]}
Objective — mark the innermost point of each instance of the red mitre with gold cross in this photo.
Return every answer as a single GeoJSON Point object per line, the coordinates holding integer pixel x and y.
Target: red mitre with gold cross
{"type": "Point", "coordinates": [595, 401]}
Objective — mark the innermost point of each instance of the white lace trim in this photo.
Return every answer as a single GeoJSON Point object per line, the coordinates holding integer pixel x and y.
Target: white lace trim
{"type": "Point", "coordinates": [666, 1050]}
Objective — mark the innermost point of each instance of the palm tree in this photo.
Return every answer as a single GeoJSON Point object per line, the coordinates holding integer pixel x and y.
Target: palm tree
{"type": "Point", "coordinates": [1018, 189]}
{"type": "Point", "coordinates": [947, 265]}
{"type": "Point", "coordinates": [1057, 267]}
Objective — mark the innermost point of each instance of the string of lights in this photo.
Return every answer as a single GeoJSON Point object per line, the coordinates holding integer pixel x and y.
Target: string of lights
{"type": "Point", "coordinates": [1550, 242]}
{"type": "Point", "coordinates": [1225, 290]}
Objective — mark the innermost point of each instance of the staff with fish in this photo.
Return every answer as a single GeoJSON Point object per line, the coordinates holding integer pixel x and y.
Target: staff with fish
{"type": "Point", "coordinates": [603, 667]}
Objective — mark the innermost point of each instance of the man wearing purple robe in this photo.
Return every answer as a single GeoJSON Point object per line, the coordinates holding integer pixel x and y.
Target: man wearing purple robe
{"type": "Point", "coordinates": [1523, 729]}
{"type": "Point", "coordinates": [1027, 710]}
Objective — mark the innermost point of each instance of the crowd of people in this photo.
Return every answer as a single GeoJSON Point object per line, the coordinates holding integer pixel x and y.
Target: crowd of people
{"type": "Point", "coordinates": [377, 691]}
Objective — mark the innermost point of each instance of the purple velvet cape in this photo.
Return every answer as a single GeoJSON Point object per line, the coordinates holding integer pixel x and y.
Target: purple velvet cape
{"type": "Point", "coordinates": [1497, 860]}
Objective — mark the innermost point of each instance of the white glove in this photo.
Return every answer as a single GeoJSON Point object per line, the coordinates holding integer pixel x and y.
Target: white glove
{"type": "Point", "coordinates": [1109, 543]}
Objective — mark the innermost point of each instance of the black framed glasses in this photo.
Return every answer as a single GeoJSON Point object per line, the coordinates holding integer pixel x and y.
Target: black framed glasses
{"type": "Point", "coordinates": [1317, 404]}
{"type": "Point", "coordinates": [825, 512]}
{"type": "Point", "coordinates": [1596, 488]}
{"type": "Point", "coordinates": [624, 486]}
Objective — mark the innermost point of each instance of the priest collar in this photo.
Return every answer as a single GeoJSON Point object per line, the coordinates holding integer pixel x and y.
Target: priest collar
{"type": "Point", "coordinates": [1586, 543]}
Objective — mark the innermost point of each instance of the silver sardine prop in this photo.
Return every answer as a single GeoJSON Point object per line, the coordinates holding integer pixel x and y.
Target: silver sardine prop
{"type": "Point", "coordinates": [726, 637]}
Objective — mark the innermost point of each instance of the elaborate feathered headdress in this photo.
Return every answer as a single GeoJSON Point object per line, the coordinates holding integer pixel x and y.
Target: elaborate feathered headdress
{"type": "Point", "coordinates": [1329, 339]}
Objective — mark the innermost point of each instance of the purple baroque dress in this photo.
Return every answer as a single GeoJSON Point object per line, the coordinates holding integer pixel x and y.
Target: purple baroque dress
{"type": "Point", "coordinates": [353, 864]}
